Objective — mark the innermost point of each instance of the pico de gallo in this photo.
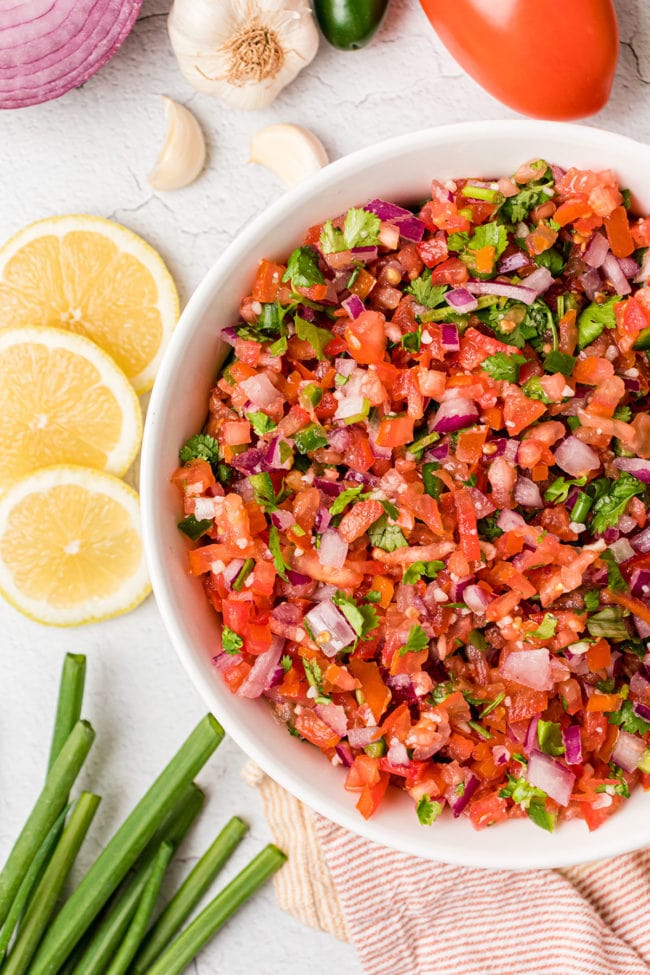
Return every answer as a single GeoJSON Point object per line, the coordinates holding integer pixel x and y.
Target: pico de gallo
{"type": "Point", "coordinates": [419, 499]}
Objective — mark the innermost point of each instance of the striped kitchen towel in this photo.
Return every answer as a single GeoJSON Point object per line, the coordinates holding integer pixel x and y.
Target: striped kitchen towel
{"type": "Point", "coordinates": [407, 916]}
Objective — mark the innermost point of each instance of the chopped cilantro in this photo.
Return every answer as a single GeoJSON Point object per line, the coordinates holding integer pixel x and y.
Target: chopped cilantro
{"type": "Point", "coordinates": [385, 536]}
{"type": "Point", "coordinates": [278, 560]}
{"type": "Point", "coordinates": [362, 618]}
{"type": "Point", "coordinates": [623, 413]}
{"type": "Point", "coordinates": [442, 691]}
{"type": "Point", "coordinates": [416, 570]}
{"type": "Point", "coordinates": [458, 242]}
{"type": "Point", "coordinates": [549, 736]}
{"type": "Point", "coordinates": [199, 447]}
{"type": "Point", "coordinates": [310, 438]}
{"type": "Point", "coordinates": [347, 497]}
{"type": "Point", "coordinates": [261, 423]}
{"type": "Point", "coordinates": [231, 641]}
{"type": "Point", "coordinates": [557, 361]}
{"type": "Point", "coordinates": [360, 229]}
{"type": "Point", "coordinates": [279, 347]}
{"type": "Point", "coordinates": [490, 234]}
{"type": "Point", "coordinates": [412, 341]}
{"type": "Point", "coordinates": [615, 580]}
{"type": "Point", "coordinates": [515, 209]}
{"type": "Point", "coordinates": [417, 640]}
{"type": "Point", "coordinates": [546, 628]}
{"type": "Point", "coordinates": [317, 337]}
{"type": "Point", "coordinates": [492, 705]}
{"type": "Point", "coordinates": [533, 389]}
{"type": "Point", "coordinates": [594, 318]}
{"type": "Point", "coordinates": [314, 677]}
{"type": "Point", "coordinates": [193, 528]}
{"type": "Point", "coordinates": [427, 810]}
{"type": "Point", "coordinates": [592, 600]}
{"type": "Point", "coordinates": [263, 491]}
{"type": "Point", "coordinates": [608, 623]}
{"type": "Point", "coordinates": [520, 790]}
{"type": "Point", "coordinates": [372, 596]}
{"type": "Point", "coordinates": [504, 366]}
{"type": "Point", "coordinates": [488, 528]}
{"type": "Point", "coordinates": [302, 268]}
{"type": "Point", "coordinates": [425, 293]}
{"type": "Point", "coordinates": [286, 662]}
{"type": "Point", "coordinates": [628, 720]}
{"type": "Point", "coordinates": [609, 507]}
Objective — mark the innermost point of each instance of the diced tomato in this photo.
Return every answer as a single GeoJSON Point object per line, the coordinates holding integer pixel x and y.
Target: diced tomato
{"type": "Point", "coordinates": [310, 726]}
{"type": "Point", "coordinates": [358, 519]}
{"type": "Point", "coordinates": [519, 411]}
{"type": "Point", "coordinates": [236, 432]}
{"type": "Point", "coordinates": [451, 271]}
{"type": "Point", "coordinates": [267, 281]}
{"type": "Point", "coordinates": [236, 614]}
{"type": "Point", "coordinates": [366, 337]}
{"type": "Point", "coordinates": [476, 347]}
{"type": "Point", "coordinates": [467, 529]}
{"type": "Point", "coordinates": [375, 692]}
{"type": "Point", "coordinates": [617, 227]}
{"type": "Point", "coordinates": [488, 811]}
{"type": "Point", "coordinates": [433, 251]}
{"type": "Point", "coordinates": [372, 795]}
{"type": "Point", "coordinates": [395, 431]}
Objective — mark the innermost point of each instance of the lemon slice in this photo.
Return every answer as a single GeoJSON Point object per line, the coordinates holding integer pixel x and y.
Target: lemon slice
{"type": "Point", "coordinates": [63, 401]}
{"type": "Point", "coordinates": [70, 546]}
{"type": "Point", "coordinates": [94, 277]}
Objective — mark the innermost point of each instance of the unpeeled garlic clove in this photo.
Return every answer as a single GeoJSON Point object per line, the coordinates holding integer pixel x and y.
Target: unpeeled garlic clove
{"type": "Point", "coordinates": [291, 152]}
{"type": "Point", "coordinates": [183, 154]}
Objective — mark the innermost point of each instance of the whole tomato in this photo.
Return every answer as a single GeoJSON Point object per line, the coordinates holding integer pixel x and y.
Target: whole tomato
{"type": "Point", "coordinates": [551, 59]}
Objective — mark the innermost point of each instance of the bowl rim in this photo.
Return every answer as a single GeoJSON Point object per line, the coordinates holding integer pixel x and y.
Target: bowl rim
{"type": "Point", "coordinates": [617, 842]}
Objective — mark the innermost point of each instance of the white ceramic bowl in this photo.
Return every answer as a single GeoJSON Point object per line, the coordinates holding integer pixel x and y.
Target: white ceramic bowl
{"type": "Point", "coordinates": [400, 170]}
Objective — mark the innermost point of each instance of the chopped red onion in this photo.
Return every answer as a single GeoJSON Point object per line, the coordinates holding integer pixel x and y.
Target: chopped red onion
{"type": "Point", "coordinates": [231, 572]}
{"type": "Point", "coordinates": [639, 684]}
{"type": "Point", "coordinates": [458, 802]}
{"type": "Point", "coordinates": [641, 710]}
{"type": "Point", "coordinates": [282, 519]}
{"type": "Point", "coordinates": [509, 520]}
{"type": "Point", "coordinates": [642, 627]}
{"type": "Point", "coordinates": [572, 745]}
{"type": "Point", "coordinates": [345, 754]}
{"type": "Point", "coordinates": [298, 578]}
{"type": "Point", "coordinates": [461, 300]}
{"type": "Point", "coordinates": [596, 251]}
{"type": "Point", "coordinates": [260, 390]}
{"type": "Point", "coordinates": [439, 453]}
{"type": "Point", "coordinates": [532, 668]}
{"type": "Point", "coordinates": [331, 630]}
{"type": "Point", "coordinates": [644, 271]}
{"type": "Point", "coordinates": [628, 751]}
{"type": "Point", "coordinates": [251, 461]}
{"type": "Point", "coordinates": [450, 338]}
{"type": "Point", "coordinates": [262, 671]}
{"type": "Point", "coordinates": [612, 270]}
{"type": "Point", "coordinates": [339, 439]}
{"type": "Point", "coordinates": [513, 262]}
{"type": "Point", "coordinates": [635, 466]}
{"type": "Point", "coordinates": [333, 550]}
{"type": "Point", "coordinates": [628, 266]}
{"type": "Point", "coordinates": [531, 743]}
{"type": "Point", "coordinates": [500, 755]}
{"type": "Point", "coordinates": [273, 455]}
{"type": "Point", "coordinates": [228, 335]}
{"type": "Point", "coordinates": [322, 519]}
{"type": "Point", "coordinates": [575, 457]}
{"type": "Point", "coordinates": [641, 542]}
{"type": "Point", "coordinates": [632, 385]}
{"type": "Point", "coordinates": [640, 583]}
{"type": "Point", "coordinates": [360, 737]}
{"type": "Point", "coordinates": [454, 414]}
{"type": "Point", "coordinates": [402, 688]}
{"type": "Point", "coordinates": [621, 550]}
{"type": "Point", "coordinates": [350, 407]}
{"type": "Point", "coordinates": [287, 613]}
{"type": "Point", "coordinates": [527, 493]}
{"type": "Point", "coordinates": [365, 254]}
{"type": "Point", "coordinates": [353, 306]}
{"type": "Point", "coordinates": [540, 280]}
{"type": "Point", "coordinates": [592, 282]}
{"type": "Point", "coordinates": [334, 717]}
{"type": "Point", "coordinates": [477, 599]}
{"type": "Point", "coordinates": [397, 754]}
{"type": "Point", "coordinates": [482, 504]}
{"type": "Point", "coordinates": [331, 489]}
{"type": "Point", "coordinates": [410, 228]}
{"type": "Point", "coordinates": [515, 291]}
{"type": "Point", "coordinates": [385, 210]}
{"type": "Point", "coordinates": [345, 367]}
{"type": "Point", "coordinates": [551, 777]}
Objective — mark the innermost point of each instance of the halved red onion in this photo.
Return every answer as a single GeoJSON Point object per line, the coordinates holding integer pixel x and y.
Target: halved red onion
{"type": "Point", "coordinates": [458, 802]}
{"type": "Point", "coordinates": [333, 549]}
{"type": "Point", "coordinates": [397, 754]}
{"type": "Point", "coordinates": [641, 542]}
{"type": "Point", "coordinates": [450, 337]}
{"type": "Point", "coordinates": [532, 668]}
{"type": "Point", "coordinates": [628, 751]}
{"type": "Point", "coordinates": [531, 743]}
{"type": "Point", "coordinates": [353, 306]}
{"type": "Point", "coordinates": [262, 670]}
{"type": "Point", "coordinates": [477, 599]}
{"type": "Point", "coordinates": [621, 550]}
{"type": "Point", "coordinates": [592, 282]}
{"type": "Point", "coordinates": [331, 630]}
{"type": "Point", "coordinates": [513, 262]}
{"type": "Point", "coordinates": [540, 280]}
{"type": "Point", "coordinates": [47, 48]}
{"type": "Point", "coordinates": [360, 737]}
{"type": "Point", "coordinates": [575, 457]}
{"type": "Point", "coordinates": [572, 744]}
{"type": "Point", "coordinates": [334, 717]}
{"type": "Point", "coordinates": [527, 493]}
{"type": "Point", "coordinates": [461, 300]}
{"type": "Point", "coordinates": [635, 466]}
{"type": "Point", "coordinates": [515, 291]}
{"type": "Point", "coordinates": [612, 269]}
{"type": "Point", "coordinates": [596, 251]}
{"type": "Point", "coordinates": [454, 414]}
{"type": "Point", "coordinates": [551, 777]}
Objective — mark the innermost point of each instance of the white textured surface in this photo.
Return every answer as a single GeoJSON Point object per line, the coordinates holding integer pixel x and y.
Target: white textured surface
{"type": "Point", "coordinates": [90, 151]}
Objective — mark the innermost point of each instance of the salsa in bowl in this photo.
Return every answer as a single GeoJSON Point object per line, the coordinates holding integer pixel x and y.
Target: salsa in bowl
{"type": "Point", "coordinates": [418, 502]}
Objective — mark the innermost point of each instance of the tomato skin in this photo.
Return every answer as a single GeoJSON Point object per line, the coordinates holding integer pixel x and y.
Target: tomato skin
{"type": "Point", "coordinates": [500, 46]}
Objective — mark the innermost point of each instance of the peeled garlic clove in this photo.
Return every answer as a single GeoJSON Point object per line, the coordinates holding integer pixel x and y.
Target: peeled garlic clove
{"type": "Point", "coordinates": [289, 151]}
{"type": "Point", "coordinates": [183, 154]}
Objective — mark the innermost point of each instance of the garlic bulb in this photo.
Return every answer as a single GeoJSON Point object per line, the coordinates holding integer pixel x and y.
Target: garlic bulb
{"type": "Point", "coordinates": [183, 154]}
{"type": "Point", "coordinates": [291, 152]}
{"type": "Point", "coordinates": [244, 51]}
